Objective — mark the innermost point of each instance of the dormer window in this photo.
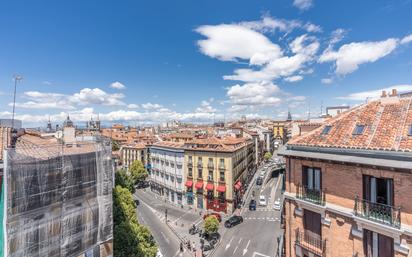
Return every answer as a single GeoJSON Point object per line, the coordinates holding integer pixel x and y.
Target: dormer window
{"type": "Point", "coordinates": [358, 129]}
{"type": "Point", "coordinates": [326, 130]}
{"type": "Point", "coordinates": [410, 130]}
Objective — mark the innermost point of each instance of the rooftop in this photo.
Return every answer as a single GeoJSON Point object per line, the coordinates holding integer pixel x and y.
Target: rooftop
{"type": "Point", "coordinates": [224, 144]}
{"type": "Point", "coordinates": [383, 124]}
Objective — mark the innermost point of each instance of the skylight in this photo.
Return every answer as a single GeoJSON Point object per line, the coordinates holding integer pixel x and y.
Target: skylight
{"type": "Point", "coordinates": [326, 130]}
{"type": "Point", "coordinates": [410, 130]}
{"type": "Point", "coordinates": [359, 129]}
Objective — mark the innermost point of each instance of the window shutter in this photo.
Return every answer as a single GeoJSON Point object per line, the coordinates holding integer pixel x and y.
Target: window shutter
{"type": "Point", "coordinates": [305, 176]}
{"type": "Point", "coordinates": [366, 187]}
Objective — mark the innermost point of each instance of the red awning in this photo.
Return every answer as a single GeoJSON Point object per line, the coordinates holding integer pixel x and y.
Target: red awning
{"type": "Point", "coordinates": [209, 187]}
{"type": "Point", "coordinates": [221, 188]}
{"type": "Point", "coordinates": [189, 183]}
{"type": "Point", "coordinates": [237, 186]}
{"type": "Point", "coordinates": [239, 183]}
{"type": "Point", "coordinates": [199, 185]}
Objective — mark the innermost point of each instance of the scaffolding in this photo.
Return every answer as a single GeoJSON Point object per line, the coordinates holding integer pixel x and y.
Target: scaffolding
{"type": "Point", "coordinates": [57, 198]}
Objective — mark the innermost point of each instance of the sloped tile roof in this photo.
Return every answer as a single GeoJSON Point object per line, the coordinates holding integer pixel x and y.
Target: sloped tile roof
{"type": "Point", "coordinates": [386, 127]}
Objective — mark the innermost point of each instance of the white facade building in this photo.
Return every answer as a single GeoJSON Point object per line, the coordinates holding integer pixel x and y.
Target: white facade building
{"type": "Point", "coordinates": [167, 165]}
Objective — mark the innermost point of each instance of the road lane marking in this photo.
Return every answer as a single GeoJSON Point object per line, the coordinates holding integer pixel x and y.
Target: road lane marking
{"type": "Point", "coordinates": [165, 237]}
{"type": "Point", "coordinates": [235, 250]}
{"type": "Point", "coordinates": [245, 250]}
{"type": "Point", "coordinates": [259, 254]}
{"type": "Point", "coordinates": [228, 245]}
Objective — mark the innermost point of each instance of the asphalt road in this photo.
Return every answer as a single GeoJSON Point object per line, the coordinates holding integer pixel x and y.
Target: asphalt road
{"type": "Point", "coordinates": [150, 212]}
{"type": "Point", "coordinates": [257, 235]}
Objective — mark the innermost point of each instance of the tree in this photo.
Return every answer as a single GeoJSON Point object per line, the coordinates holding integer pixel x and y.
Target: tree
{"type": "Point", "coordinates": [115, 145]}
{"type": "Point", "coordinates": [138, 171]}
{"type": "Point", "coordinates": [123, 179]}
{"type": "Point", "coordinates": [211, 224]}
{"type": "Point", "coordinates": [267, 156]}
{"type": "Point", "coordinates": [123, 206]}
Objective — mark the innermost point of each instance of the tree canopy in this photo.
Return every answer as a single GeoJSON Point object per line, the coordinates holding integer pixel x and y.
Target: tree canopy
{"type": "Point", "coordinates": [267, 156]}
{"type": "Point", "coordinates": [123, 179]}
{"type": "Point", "coordinates": [138, 171]}
{"type": "Point", "coordinates": [211, 224]}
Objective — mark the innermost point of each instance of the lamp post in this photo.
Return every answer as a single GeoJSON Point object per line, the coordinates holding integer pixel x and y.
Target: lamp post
{"type": "Point", "coordinates": [16, 79]}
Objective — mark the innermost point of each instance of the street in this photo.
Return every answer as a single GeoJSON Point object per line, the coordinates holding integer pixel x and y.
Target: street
{"type": "Point", "coordinates": [255, 237]}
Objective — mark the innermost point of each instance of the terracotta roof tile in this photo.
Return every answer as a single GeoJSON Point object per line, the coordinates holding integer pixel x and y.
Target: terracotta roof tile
{"type": "Point", "coordinates": [386, 127]}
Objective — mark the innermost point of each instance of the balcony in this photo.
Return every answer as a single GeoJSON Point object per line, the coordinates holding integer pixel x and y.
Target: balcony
{"type": "Point", "coordinates": [311, 195]}
{"type": "Point", "coordinates": [310, 241]}
{"type": "Point", "coordinates": [210, 166]}
{"type": "Point", "coordinates": [222, 167]}
{"type": "Point", "coordinates": [190, 163]}
{"type": "Point", "coordinates": [378, 212]}
{"type": "Point", "coordinates": [199, 165]}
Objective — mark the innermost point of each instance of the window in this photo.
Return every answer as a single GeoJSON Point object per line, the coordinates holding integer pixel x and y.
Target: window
{"type": "Point", "coordinates": [378, 245]}
{"type": "Point", "coordinates": [359, 130]}
{"type": "Point", "coordinates": [199, 173]}
{"type": "Point", "coordinates": [378, 190]}
{"type": "Point", "coordinates": [312, 178]}
{"type": "Point", "coordinates": [312, 222]}
{"type": "Point", "coordinates": [190, 172]}
{"type": "Point", "coordinates": [326, 130]}
{"type": "Point", "coordinates": [222, 175]}
{"type": "Point", "coordinates": [222, 163]}
{"type": "Point", "coordinates": [410, 131]}
{"type": "Point", "coordinates": [210, 177]}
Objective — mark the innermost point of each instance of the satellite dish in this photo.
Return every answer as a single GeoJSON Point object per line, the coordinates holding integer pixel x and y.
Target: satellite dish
{"type": "Point", "coordinates": [59, 134]}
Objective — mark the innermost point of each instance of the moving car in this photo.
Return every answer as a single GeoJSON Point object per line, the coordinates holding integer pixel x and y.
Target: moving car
{"type": "Point", "coordinates": [217, 215]}
{"type": "Point", "coordinates": [252, 205]}
{"type": "Point", "coordinates": [233, 221]}
{"type": "Point", "coordinates": [262, 200]}
{"type": "Point", "coordinates": [276, 205]}
{"type": "Point", "coordinates": [137, 202]}
{"type": "Point", "coordinates": [259, 181]}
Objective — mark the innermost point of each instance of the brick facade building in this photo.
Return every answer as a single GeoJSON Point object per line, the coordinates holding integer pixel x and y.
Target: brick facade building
{"type": "Point", "coordinates": [349, 184]}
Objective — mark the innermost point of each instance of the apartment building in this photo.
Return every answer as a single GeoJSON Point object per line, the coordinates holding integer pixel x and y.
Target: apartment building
{"type": "Point", "coordinates": [349, 184]}
{"type": "Point", "coordinates": [132, 152]}
{"type": "Point", "coordinates": [216, 170]}
{"type": "Point", "coordinates": [167, 165]}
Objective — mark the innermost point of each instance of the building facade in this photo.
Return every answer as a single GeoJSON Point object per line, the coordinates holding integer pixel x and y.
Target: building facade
{"type": "Point", "coordinates": [349, 184]}
{"type": "Point", "coordinates": [216, 170]}
{"type": "Point", "coordinates": [133, 152]}
{"type": "Point", "coordinates": [166, 176]}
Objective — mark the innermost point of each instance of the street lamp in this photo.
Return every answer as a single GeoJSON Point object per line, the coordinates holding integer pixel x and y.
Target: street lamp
{"type": "Point", "coordinates": [16, 79]}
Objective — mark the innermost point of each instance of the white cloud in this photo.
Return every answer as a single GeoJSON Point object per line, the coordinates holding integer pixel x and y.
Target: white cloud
{"type": "Point", "coordinates": [349, 56]}
{"type": "Point", "coordinates": [133, 106]}
{"type": "Point", "coordinates": [232, 42]}
{"type": "Point", "coordinates": [150, 106]}
{"type": "Point", "coordinates": [361, 96]}
{"type": "Point", "coordinates": [86, 96]}
{"type": "Point", "coordinates": [327, 81]}
{"type": "Point", "coordinates": [337, 35]}
{"type": "Point", "coordinates": [205, 107]}
{"type": "Point", "coordinates": [303, 4]}
{"type": "Point", "coordinates": [406, 39]}
{"type": "Point", "coordinates": [254, 94]}
{"type": "Point", "coordinates": [117, 85]}
{"type": "Point", "coordinates": [295, 78]}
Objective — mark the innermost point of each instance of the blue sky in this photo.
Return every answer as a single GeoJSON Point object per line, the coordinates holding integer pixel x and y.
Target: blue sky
{"type": "Point", "coordinates": [153, 61]}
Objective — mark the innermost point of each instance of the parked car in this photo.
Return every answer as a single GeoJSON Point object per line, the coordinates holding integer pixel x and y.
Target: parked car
{"type": "Point", "coordinates": [233, 221]}
{"type": "Point", "coordinates": [252, 205]}
{"type": "Point", "coordinates": [137, 202]}
{"type": "Point", "coordinates": [259, 181]}
{"type": "Point", "coordinates": [207, 247]}
{"type": "Point", "coordinates": [262, 200]}
{"type": "Point", "coordinates": [217, 215]}
{"type": "Point", "coordinates": [212, 237]}
{"type": "Point", "coordinates": [276, 205]}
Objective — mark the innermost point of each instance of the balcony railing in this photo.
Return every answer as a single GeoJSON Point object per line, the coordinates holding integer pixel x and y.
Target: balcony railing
{"type": "Point", "coordinates": [378, 212]}
{"type": "Point", "coordinates": [315, 196]}
{"type": "Point", "coordinates": [310, 241]}
{"type": "Point", "coordinates": [210, 166]}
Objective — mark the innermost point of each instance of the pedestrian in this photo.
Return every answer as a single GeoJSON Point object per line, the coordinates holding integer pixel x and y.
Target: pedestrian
{"type": "Point", "coordinates": [181, 247]}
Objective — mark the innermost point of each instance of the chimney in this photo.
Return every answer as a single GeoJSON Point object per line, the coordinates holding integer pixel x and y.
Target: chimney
{"type": "Point", "coordinates": [394, 92]}
{"type": "Point", "coordinates": [383, 93]}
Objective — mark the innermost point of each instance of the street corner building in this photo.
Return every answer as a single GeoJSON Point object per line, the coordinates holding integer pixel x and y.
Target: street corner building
{"type": "Point", "coordinates": [216, 170]}
{"type": "Point", "coordinates": [349, 184]}
{"type": "Point", "coordinates": [56, 196]}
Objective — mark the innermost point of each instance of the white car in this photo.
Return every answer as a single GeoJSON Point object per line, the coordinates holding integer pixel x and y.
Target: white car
{"type": "Point", "coordinates": [276, 205]}
{"type": "Point", "coordinates": [262, 200]}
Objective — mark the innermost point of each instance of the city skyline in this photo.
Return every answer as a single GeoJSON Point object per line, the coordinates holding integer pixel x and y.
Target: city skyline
{"type": "Point", "coordinates": [199, 62]}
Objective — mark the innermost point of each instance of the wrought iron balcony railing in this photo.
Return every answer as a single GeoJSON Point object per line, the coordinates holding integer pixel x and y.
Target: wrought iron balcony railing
{"type": "Point", "coordinates": [316, 196]}
{"type": "Point", "coordinates": [310, 241]}
{"type": "Point", "coordinates": [378, 212]}
{"type": "Point", "coordinates": [210, 166]}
